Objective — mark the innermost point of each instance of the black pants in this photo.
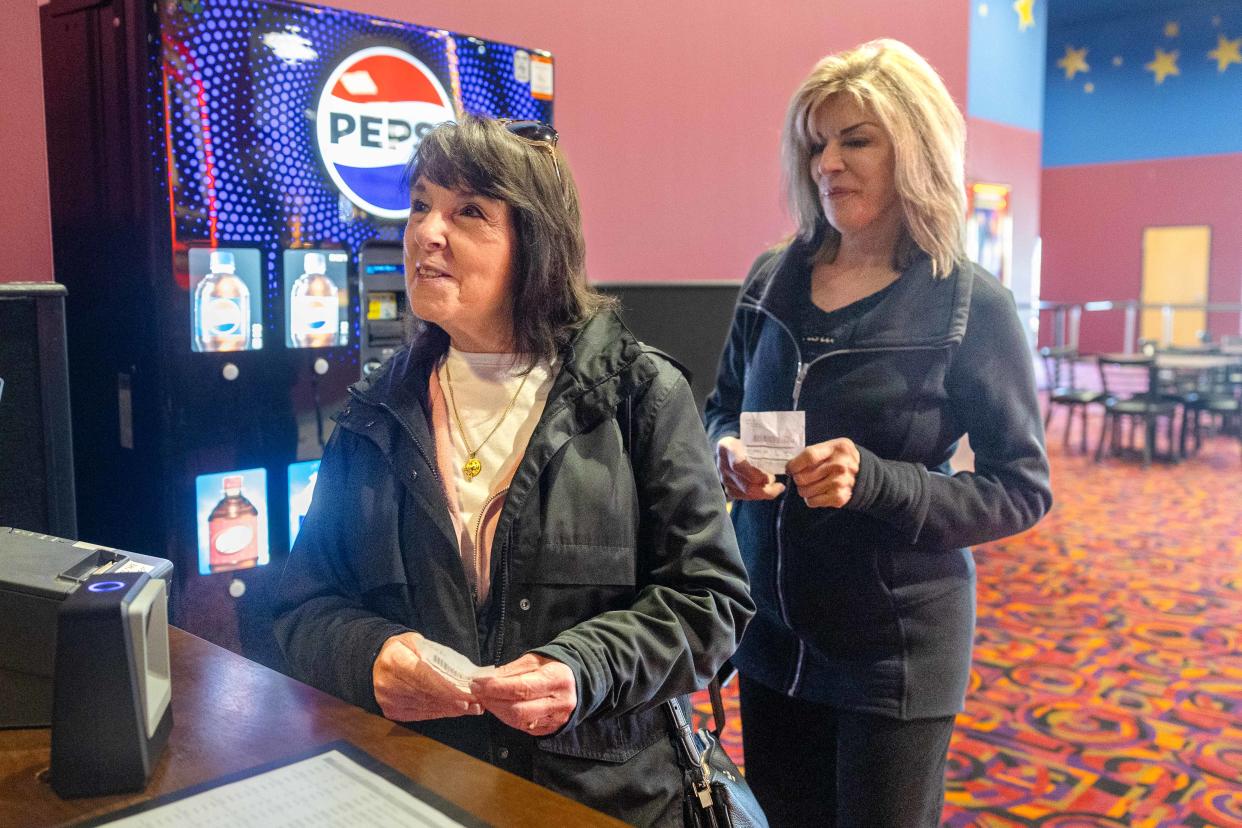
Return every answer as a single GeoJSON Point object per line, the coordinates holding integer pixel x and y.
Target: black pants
{"type": "Point", "coordinates": [814, 765]}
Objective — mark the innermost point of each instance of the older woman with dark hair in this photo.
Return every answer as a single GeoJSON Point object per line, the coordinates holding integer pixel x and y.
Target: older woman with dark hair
{"type": "Point", "coordinates": [871, 321]}
{"type": "Point", "coordinates": [526, 485]}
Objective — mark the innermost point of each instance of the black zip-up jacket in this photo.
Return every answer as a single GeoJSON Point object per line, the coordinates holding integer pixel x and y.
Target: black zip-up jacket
{"type": "Point", "coordinates": [871, 607]}
{"type": "Point", "coordinates": [632, 578]}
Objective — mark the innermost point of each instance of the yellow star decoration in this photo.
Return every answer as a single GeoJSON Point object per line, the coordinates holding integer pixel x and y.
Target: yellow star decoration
{"type": "Point", "coordinates": [1172, 29]}
{"type": "Point", "coordinates": [1026, 14]}
{"type": "Point", "coordinates": [1075, 61]}
{"type": "Point", "coordinates": [1226, 52]}
{"type": "Point", "coordinates": [1164, 65]}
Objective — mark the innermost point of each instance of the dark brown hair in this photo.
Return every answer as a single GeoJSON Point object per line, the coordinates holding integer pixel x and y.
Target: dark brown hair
{"type": "Point", "coordinates": [551, 297]}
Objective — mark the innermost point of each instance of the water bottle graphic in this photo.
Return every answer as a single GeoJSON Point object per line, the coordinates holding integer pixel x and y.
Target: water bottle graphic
{"type": "Point", "coordinates": [314, 309]}
{"type": "Point", "coordinates": [222, 307]}
{"type": "Point", "coordinates": [233, 529]}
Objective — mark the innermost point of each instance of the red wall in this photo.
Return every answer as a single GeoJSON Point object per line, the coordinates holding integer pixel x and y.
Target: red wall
{"type": "Point", "coordinates": [1093, 219]}
{"type": "Point", "coordinates": [25, 222]}
{"type": "Point", "coordinates": [670, 113]}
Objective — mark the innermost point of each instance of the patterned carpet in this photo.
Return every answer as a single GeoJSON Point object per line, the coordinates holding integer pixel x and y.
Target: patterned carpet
{"type": "Point", "coordinates": [1107, 680]}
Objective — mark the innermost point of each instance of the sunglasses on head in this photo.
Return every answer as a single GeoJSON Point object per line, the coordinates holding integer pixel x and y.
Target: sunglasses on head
{"type": "Point", "coordinates": [537, 133]}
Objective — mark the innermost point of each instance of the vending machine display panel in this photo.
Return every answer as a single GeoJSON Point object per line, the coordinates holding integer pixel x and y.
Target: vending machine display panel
{"type": "Point", "coordinates": [232, 520]}
{"type": "Point", "coordinates": [226, 308]}
{"type": "Point", "coordinates": [316, 298]}
{"type": "Point", "coordinates": [302, 478]}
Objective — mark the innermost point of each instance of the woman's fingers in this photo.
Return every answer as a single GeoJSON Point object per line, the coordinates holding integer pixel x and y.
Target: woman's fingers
{"type": "Point", "coordinates": [742, 490]}
{"type": "Point", "coordinates": [408, 689]}
{"type": "Point", "coordinates": [534, 694]}
{"type": "Point", "coordinates": [825, 473]}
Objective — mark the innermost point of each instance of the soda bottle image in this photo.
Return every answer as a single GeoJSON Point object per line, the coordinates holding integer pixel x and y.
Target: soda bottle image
{"type": "Point", "coordinates": [222, 307]}
{"type": "Point", "coordinates": [233, 530]}
{"type": "Point", "coordinates": [314, 310]}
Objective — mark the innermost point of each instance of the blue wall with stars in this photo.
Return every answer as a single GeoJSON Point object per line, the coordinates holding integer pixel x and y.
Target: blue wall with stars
{"type": "Point", "coordinates": [1151, 85]}
{"type": "Point", "coordinates": [1006, 74]}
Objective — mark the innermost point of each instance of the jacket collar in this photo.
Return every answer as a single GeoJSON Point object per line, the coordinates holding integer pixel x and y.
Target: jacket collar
{"type": "Point", "coordinates": [920, 311]}
{"type": "Point", "coordinates": [599, 366]}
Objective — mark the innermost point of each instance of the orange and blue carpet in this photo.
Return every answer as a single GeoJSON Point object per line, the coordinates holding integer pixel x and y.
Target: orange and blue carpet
{"type": "Point", "coordinates": [1107, 680]}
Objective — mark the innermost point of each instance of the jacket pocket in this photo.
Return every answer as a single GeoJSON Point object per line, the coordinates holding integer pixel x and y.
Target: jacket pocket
{"type": "Point", "coordinates": [617, 739]}
{"type": "Point", "coordinates": [569, 583]}
{"type": "Point", "coordinates": [585, 564]}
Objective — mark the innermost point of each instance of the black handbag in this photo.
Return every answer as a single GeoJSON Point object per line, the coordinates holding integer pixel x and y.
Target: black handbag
{"type": "Point", "coordinates": [716, 794]}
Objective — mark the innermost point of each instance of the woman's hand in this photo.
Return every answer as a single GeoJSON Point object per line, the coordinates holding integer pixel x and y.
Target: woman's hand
{"type": "Point", "coordinates": [825, 473]}
{"type": "Point", "coordinates": [741, 480]}
{"type": "Point", "coordinates": [409, 690]}
{"type": "Point", "coordinates": [534, 694]}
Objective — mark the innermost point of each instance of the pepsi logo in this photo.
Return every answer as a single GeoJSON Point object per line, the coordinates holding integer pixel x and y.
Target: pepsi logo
{"type": "Point", "coordinates": [374, 109]}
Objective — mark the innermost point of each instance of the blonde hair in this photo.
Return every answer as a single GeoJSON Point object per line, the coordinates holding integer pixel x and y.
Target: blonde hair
{"type": "Point", "coordinates": [928, 133]}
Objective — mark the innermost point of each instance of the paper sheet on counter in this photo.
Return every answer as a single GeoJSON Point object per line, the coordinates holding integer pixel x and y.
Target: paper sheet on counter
{"type": "Point", "coordinates": [773, 438]}
{"type": "Point", "coordinates": [328, 789]}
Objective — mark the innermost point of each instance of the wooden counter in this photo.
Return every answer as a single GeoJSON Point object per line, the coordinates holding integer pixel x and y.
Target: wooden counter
{"type": "Point", "coordinates": [230, 713]}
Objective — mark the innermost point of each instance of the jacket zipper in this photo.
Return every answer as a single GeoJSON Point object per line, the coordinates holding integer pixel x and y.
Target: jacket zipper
{"type": "Point", "coordinates": [504, 598]}
{"type": "Point", "coordinates": [799, 379]}
{"type": "Point", "coordinates": [474, 533]}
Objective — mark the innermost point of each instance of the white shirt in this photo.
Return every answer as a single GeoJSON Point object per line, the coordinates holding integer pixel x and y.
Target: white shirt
{"type": "Point", "coordinates": [480, 389]}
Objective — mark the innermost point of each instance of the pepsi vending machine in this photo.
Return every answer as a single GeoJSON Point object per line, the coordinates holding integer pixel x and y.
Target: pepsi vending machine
{"type": "Point", "coordinates": [222, 174]}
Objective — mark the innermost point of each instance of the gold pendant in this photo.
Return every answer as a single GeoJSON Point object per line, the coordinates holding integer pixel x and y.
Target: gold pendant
{"type": "Point", "coordinates": [471, 468]}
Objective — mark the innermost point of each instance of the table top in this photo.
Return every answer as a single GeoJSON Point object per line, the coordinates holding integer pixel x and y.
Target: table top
{"type": "Point", "coordinates": [230, 714]}
{"type": "Point", "coordinates": [1196, 362]}
{"type": "Point", "coordinates": [1189, 362]}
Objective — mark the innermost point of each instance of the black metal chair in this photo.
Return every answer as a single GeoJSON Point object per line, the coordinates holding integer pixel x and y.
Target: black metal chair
{"type": "Point", "coordinates": [1059, 371]}
{"type": "Point", "coordinates": [1217, 395]}
{"type": "Point", "coordinates": [1131, 397]}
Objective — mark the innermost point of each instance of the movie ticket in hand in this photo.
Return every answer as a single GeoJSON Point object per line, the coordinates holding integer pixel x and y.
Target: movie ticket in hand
{"type": "Point", "coordinates": [773, 438]}
{"type": "Point", "coordinates": [456, 669]}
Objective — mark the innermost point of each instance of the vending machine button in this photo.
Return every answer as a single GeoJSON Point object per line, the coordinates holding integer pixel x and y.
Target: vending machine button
{"type": "Point", "coordinates": [230, 371]}
{"type": "Point", "coordinates": [237, 587]}
{"type": "Point", "coordinates": [321, 366]}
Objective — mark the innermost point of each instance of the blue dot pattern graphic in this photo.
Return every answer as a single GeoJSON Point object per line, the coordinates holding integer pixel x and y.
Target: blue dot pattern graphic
{"type": "Point", "coordinates": [241, 82]}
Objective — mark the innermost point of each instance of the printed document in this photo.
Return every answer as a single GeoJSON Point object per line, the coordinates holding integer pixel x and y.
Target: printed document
{"type": "Point", "coordinates": [773, 438]}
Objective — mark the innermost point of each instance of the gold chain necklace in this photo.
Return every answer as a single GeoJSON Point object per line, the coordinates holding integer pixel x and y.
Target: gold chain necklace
{"type": "Point", "coordinates": [472, 467]}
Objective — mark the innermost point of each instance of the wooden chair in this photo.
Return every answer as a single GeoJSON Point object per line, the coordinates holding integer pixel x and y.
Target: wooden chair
{"type": "Point", "coordinates": [1063, 390]}
{"type": "Point", "coordinates": [1130, 397]}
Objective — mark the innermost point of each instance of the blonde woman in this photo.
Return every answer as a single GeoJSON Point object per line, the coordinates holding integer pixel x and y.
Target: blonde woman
{"type": "Point", "coordinates": [872, 321]}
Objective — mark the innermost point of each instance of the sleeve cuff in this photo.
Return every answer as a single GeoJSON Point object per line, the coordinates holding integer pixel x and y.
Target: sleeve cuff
{"type": "Point", "coordinates": [892, 491]}
{"type": "Point", "coordinates": [583, 683]}
{"type": "Point", "coordinates": [364, 674]}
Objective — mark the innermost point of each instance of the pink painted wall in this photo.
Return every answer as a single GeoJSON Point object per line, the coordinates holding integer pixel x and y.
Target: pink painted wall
{"type": "Point", "coordinates": [25, 223]}
{"type": "Point", "coordinates": [1004, 154]}
{"type": "Point", "coordinates": [670, 112]}
{"type": "Point", "coordinates": [1093, 219]}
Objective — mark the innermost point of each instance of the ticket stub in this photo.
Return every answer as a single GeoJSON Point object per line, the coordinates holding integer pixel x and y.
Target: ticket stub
{"type": "Point", "coordinates": [458, 670]}
{"type": "Point", "coordinates": [773, 438]}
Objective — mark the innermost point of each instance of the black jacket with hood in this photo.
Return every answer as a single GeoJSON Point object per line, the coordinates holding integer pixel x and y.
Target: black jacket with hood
{"type": "Point", "coordinates": [871, 607]}
{"type": "Point", "coordinates": [613, 554]}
